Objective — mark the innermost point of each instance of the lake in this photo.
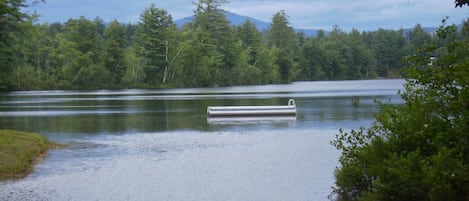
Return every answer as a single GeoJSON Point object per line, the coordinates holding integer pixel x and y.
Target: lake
{"type": "Point", "coordinates": [160, 145]}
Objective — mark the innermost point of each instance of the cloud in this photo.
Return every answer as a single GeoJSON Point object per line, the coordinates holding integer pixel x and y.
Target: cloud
{"type": "Point", "coordinates": [266, 9]}
{"type": "Point", "coordinates": [360, 14]}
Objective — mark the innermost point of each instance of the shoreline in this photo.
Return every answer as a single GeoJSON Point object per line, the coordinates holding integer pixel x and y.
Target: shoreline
{"type": "Point", "coordinates": [21, 151]}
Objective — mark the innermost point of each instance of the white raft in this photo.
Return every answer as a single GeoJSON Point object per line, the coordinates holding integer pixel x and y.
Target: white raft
{"type": "Point", "coordinates": [252, 111]}
{"type": "Point", "coordinates": [251, 120]}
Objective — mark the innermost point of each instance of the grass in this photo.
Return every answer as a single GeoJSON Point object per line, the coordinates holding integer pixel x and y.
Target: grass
{"type": "Point", "coordinates": [20, 151]}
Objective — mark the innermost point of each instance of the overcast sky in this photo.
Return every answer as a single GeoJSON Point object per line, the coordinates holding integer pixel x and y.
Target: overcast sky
{"type": "Point", "coordinates": [317, 14]}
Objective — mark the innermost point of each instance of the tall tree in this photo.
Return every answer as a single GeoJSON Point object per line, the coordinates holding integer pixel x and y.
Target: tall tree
{"type": "Point", "coordinates": [214, 42]}
{"type": "Point", "coordinates": [151, 40]}
{"type": "Point", "coordinates": [81, 54]}
{"type": "Point", "coordinates": [114, 47]}
{"type": "Point", "coordinates": [311, 65]}
{"type": "Point", "coordinates": [361, 63]}
{"type": "Point", "coordinates": [251, 39]}
{"type": "Point", "coordinates": [337, 53]}
{"type": "Point", "coordinates": [31, 48]}
{"type": "Point", "coordinates": [419, 37]}
{"type": "Point", "coordinates": [388, 47]}
{"type": "Point", "coordinates": [282, 36]}
{"type": "Point", "coordinates": [247, 68]}
{"type": "Point", "coordinates": [10, 18]}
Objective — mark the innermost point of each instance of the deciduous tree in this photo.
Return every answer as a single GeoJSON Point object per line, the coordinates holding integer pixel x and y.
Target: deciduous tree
{"type": "Point", "coordinates": [418, 150]}
{"type": "Point", "coordinates": [10, 18]}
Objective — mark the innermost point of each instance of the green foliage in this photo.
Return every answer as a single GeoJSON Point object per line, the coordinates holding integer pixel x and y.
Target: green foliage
{"type": "Point", "coordinates": [19, 151]}
{"type": "Point", "coordinates": [388, 46]}
{"type": "Point", "coordinates": [114, 49]}
{"type": "Point", "coordinates": [251, 40]}
{"type": "Point", "coordinates": [282, 36]}
{"type": "Point", "coordinates": [215, 41]}
{"type": "Point", "coordinates": [311, 67]}
{"type": "Point", "coordinates": [415, 151]}
{"type": "Point", "coordinates": [10, 17]}
{"type": "Point", "coordinates": [418, 37]}
{"type": "Point", "coordinates": [92, 54]}
{"type": "Point", "coordinates": [151, 40]}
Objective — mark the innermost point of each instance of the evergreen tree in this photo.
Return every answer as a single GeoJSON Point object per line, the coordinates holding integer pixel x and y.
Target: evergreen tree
{"type": "Point", "coordinates": [418, 38]}
{"type": "Point", "coordinates": [388, 47]}
{"type": "Point", "coordinates": [337, 53]}
{"type": "Point", "coordinates": [151, 40]}
{"type": "Point", "coordinates": [114, 47]}
{"type": "Point", "coordinates": [251, 39]}
{"type": "Point", "coordinates": [361, 63]}
{"type": "Point", "coordinates": [214, 42]}
{"type": "Point", "coordinates": [311, 65]}
{"type": "Point", "coordinates": [282, 36]}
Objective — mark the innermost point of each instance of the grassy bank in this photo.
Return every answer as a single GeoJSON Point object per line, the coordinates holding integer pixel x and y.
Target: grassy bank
{"type": "Point", "coordinates": [19, 151]}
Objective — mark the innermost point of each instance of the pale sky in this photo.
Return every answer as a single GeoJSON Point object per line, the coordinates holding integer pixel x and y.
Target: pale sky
{"type": "Point", "coordinates": [311, 14]}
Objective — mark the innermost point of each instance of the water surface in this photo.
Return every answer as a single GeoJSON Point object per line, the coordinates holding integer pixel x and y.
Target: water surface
{"type": "Point", "coordinates": [159, 144]}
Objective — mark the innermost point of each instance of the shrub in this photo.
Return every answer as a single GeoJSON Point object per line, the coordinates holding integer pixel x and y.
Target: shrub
{"type": "Point", "coordinates": [418, 150]}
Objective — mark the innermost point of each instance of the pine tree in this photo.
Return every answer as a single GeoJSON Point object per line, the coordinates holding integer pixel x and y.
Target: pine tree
{"type": "Point", "coordinates": [114, 48]}
{"type": "Point", "coordinates": [151, 40]}
{"type": "Point", "coordinates": [282, 36]}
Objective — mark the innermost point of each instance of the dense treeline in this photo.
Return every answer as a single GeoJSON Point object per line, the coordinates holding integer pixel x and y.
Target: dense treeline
{"type": "Point", "coordinates": [92, 54]}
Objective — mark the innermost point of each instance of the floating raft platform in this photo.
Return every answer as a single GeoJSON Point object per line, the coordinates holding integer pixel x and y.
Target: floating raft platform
{"type": "Point", "coordinates": [251, 120]}
{"type": "Point", "coordinates": [252, 111]}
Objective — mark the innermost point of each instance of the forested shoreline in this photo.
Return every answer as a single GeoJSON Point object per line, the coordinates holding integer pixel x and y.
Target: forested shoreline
{"type": "Point", "coordinates": [155, 53]}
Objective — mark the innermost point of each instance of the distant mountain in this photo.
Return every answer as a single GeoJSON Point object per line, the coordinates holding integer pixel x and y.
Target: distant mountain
{"type": "Point", "coordinates": [430, 30]}
{"type": "Point", "coordinates": [237, 20]}
{"type": "Point", "coordinates": [234, 18]}
{"type": "Point", "coordinates": [183, 21]}
{"type": "Point", "coordinates": [310, 32]}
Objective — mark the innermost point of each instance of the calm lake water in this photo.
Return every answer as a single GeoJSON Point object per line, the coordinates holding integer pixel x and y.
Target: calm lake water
{"type": "Point", "coordinates": [160, 145]}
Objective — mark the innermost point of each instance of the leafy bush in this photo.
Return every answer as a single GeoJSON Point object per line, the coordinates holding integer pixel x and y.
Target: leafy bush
{"type": "Point", "coordinates": [418, 150]}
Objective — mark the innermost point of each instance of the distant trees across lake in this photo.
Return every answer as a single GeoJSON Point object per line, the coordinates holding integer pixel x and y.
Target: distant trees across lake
{"type": "Point", "coordinates": [155, 53]}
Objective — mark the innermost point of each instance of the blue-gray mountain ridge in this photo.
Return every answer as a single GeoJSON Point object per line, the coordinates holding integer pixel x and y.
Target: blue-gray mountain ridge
{"type": "Point", "coordinates": [237, 19]}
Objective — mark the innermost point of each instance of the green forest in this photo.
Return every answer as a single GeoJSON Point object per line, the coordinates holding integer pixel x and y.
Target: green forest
{"type": "Point", "coordinates": [155, 53]}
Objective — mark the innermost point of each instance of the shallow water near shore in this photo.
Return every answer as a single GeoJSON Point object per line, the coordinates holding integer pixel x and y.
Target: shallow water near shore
{"type": "Point", "coordinates": [159, 144]}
